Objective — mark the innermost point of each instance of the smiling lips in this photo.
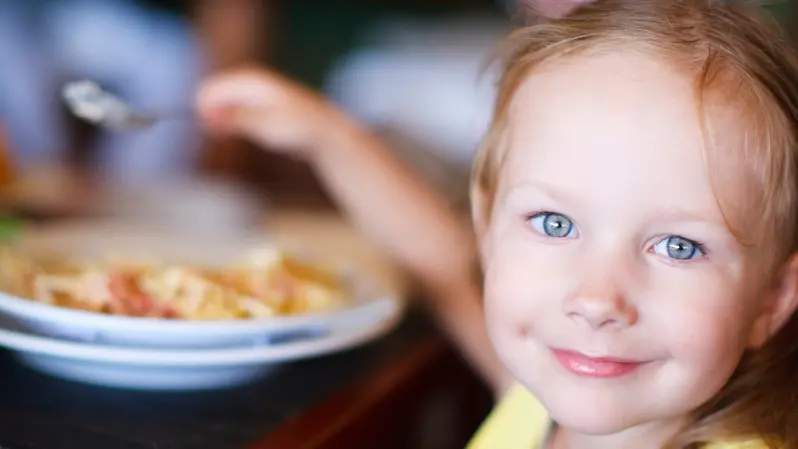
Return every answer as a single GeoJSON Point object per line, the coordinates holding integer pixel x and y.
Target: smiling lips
{"type": "Point", "coordinates": [598, 367]}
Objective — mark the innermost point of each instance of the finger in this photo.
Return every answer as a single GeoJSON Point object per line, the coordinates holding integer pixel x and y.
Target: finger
{"type": "Point", "coordinates": [218, 120]}
{"type": "Point", "coordinates": [245, 88]}
{"type": "Point", "coordinates": [254, 123]}
{"type": "Point", "coordinates": [276, 130]}
{"type": "Point", "coordinates": [219, 97]}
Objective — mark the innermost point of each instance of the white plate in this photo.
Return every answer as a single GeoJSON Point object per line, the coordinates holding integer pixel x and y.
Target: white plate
{"type": "Point", "coordinates": [187, 369]}
{"type": "Point", "coordinates": [104, 239]}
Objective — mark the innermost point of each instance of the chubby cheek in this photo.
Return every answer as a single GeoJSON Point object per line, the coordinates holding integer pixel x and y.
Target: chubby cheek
{"type": "Point", "coordinates": [520, 290]}
{"type": "Point", "coordinates": [506, 311]}
{"type": "Point", "coordinates": [705, 330]}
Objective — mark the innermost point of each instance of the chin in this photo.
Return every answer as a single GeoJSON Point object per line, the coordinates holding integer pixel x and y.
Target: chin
{"type": "Point", "coordinates": [594, 418]}
{"type": "Point", "coordinates": [595, 425]}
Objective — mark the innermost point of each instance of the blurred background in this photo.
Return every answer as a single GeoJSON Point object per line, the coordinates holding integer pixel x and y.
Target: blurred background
{"type": "Point", "coordinates": [411, 69]}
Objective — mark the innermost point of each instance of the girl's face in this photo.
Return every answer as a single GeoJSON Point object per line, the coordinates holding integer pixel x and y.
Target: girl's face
{"type": "Point", "coordinates": [615, 290]}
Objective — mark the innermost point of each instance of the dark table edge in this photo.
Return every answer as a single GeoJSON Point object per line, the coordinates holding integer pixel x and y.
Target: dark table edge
{"type": "Point", "coordinates": [341, 411]}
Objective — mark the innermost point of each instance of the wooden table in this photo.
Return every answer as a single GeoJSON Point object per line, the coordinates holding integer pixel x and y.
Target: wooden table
{"type": "Point", "coordinates": [407, 390]}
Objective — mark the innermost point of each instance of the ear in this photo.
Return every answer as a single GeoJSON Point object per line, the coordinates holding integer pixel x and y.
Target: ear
{"type": "Point", "coordinates": [780, 304]}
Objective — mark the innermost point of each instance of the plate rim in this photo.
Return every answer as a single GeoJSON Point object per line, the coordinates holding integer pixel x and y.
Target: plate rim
{"type": "Point", "coordinates": [23, 342]}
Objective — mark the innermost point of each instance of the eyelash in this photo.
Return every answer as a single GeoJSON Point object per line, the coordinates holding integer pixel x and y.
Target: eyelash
{"type": "Point", "coordinates": [700, 246]}
{"type": "Point", "coordinates": [530, 217]}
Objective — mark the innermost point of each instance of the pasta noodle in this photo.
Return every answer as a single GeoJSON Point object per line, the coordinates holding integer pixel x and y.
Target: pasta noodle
{"type": "Point", "coordinates": [266, 284]}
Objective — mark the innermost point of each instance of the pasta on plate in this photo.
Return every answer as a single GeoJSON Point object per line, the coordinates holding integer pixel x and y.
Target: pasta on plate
{"type": "Point", "coordinates": [267, 284]}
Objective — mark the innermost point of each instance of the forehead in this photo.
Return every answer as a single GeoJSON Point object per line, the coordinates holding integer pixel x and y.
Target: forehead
{"type": "Point", "coordinates": [619, 127]}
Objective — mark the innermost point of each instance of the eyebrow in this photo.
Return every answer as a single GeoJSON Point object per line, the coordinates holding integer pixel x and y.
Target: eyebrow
{"type": "Point", "coordinates": [541, 187]}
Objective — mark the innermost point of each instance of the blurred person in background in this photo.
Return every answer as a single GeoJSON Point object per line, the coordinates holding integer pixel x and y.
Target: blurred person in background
{"type": "Point", "coordinates": [145, 51]}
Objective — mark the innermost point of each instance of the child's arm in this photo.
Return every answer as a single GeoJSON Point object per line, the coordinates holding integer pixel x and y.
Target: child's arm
{"type": "Point", "coordinates": [380, 195]}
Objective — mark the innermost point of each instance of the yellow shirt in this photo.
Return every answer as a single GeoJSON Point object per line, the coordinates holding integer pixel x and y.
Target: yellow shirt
{"type": "Point", "coordinates": [521, 422]}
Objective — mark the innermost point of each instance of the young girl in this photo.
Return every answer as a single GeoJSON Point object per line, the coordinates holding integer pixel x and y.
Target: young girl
{"type": "Point", "coordinates": [635, 205]}
{"type": "Point", "coordinates": [635, 210]}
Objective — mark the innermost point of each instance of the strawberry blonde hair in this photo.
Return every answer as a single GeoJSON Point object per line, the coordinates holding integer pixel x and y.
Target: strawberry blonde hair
{"type": "Point", "coordinates": [735, 56]}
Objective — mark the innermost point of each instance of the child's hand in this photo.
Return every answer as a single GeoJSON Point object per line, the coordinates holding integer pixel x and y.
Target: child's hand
{"type": "Point", "coordinates": [269, 109]}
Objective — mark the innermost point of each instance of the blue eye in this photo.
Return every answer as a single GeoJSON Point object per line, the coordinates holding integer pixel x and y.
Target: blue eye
{"type": "Point", "coordinates": [553, 225]}
{"type": "Point", "coordinates": [678, 248]}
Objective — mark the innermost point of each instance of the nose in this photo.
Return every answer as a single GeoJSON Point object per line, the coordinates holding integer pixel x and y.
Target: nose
{"type": "Point", "coordinates": [601, 304]}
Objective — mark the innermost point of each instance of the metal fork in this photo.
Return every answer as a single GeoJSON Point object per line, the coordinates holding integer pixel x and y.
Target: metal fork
{"type": "Point", "coordinates": [87, 100]}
